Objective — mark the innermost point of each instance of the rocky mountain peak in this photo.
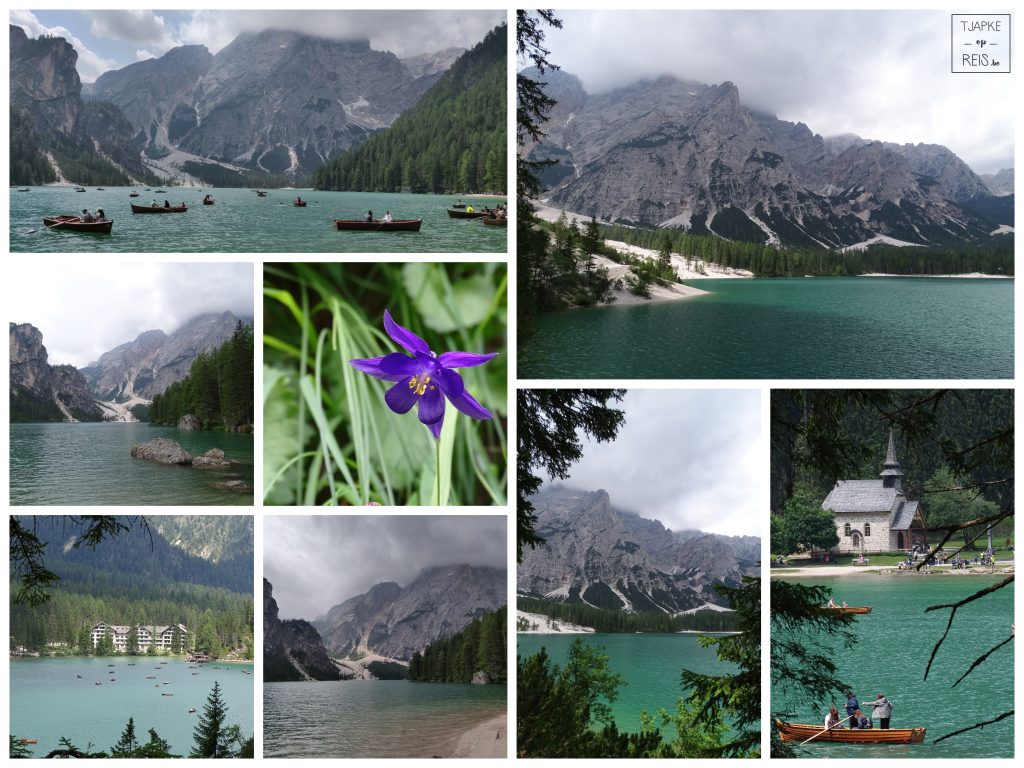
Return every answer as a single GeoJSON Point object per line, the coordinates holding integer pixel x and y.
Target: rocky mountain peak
{"type": "Point", "coordinates": [40, 391]}
{"type": "Point", "coordinates": [292, 649]}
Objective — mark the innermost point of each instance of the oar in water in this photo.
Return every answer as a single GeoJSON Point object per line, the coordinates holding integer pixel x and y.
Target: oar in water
{"type": "Point", "coordinates": [825, 730]}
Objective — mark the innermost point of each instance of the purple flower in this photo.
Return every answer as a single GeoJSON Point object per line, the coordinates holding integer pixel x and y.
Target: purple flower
{"type": "Point", "coordinates": [423, 377]}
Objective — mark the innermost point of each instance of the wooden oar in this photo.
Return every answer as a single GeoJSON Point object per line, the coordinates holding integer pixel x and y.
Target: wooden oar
{"type": "Point", "coordinates": [825, 730]}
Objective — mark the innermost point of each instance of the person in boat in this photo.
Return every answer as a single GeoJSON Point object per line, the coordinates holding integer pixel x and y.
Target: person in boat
{"type": "Point", "coordinates": [387, 218]}
{"type": "Point", "coordinates": [845, 605]}
{"type": "Point", "coordinates": [883, 708]}
{"type": "Point", "coordinates": [207, 198]}
{"type": "Point", "coordinates": [860, 721]}
{"type": "Point", "coordinates": [852, 708]}
{"type": "Point", "coordinates": [298, 200]}
{"type": "Point", "coordinates": [100, 215]}
{"type": "Point", "coordinates": [469, 209]}
{"type": "Point", "coordinates": [459, 204]}
{"type": "Point", "coordinates": [86, 216]}
{"type": "Point", "coordinates": [832, 718]}
{"type": "Point", "coordinates": [832, 603]}
{"type": "Point", "coordinates": [368, 217]}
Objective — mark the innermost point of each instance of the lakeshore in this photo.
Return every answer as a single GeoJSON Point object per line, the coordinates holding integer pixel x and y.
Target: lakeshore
{"type": "Point", "coordinates": [488, 739]}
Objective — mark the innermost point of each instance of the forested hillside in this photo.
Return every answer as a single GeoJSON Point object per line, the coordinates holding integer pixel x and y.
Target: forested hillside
{"type": "Point", "coordinates": [218, 389]}
{"type": "Point", "coordinates": [479, 647]}
{"type": "Point", "coordinates": [603, 620]}
{"type": "Point", "coordinates": [453, 140]}
{"type": "Point", "coordinates": [137, 576]}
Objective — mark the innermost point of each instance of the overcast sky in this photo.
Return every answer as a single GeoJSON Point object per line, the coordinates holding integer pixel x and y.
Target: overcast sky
{"type": "Point", "coordinates": [688, 458]}
{"type": "Point", "coordinates": [882, 75]}
{"type": "Point", "coordinates": [115, 38]}
{"type": "Point", "coordinates": [87, 307]}
{"type": "Point", "coordinates": [317, 562]}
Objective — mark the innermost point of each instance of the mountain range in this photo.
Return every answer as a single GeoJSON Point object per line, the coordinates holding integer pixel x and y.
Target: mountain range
{"type": "Point", "coordinates": [274, 101]}
{"type": "Point", "coordinates": [396, 622]}
{"type": "Point", "coordinates": [292, 649]}
{"type": "Point", "coordinates": [617, 560]}
{"type": "Point", "coordinates": [674, 153]}
{"type": "Point", "coordinates": [128, 375]}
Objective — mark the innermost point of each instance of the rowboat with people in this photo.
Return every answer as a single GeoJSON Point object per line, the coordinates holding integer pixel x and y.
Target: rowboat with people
{"type": "Point", "coordinates": [454, 214]}
{"type": "Point", "coordinates": [159, 208]}
{"type": "Point", "coordinates": [76, 224]}
{"type": "Point", "coordinates": [843, 610]}
{"type": "Point", "coordinates": [815, 733]}
{"type": "Point", "coordinates": [502, 221]}
{"type": "Point", "coordinates": [396, 225]}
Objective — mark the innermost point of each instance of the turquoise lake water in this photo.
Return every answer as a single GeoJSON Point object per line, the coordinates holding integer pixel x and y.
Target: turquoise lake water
{"type": "Point", "coordinates": [373, 718]}
{"type": "Point", "coordinates": [241, 222]}
{"type": "Point", "coordinates": [91, 463]}
{"type": "Point", "coordinates": [896, 639]}
{"type": "Point", "coordinates": [649, 663]}
{"type": "Point", "coordinates": [856, 327]}
{"type": "Point", "coordinates": [48, 700]}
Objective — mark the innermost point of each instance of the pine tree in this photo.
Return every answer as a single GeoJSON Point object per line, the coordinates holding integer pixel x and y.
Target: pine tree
{"type": "Point", "coordinates": [176, 640]}
{"type": "Point", "coordinates": [128, 744]}
{"type": "Point", "coordinates": [132, 644]}
{"type": "Point", "coordinates": [211, 737]}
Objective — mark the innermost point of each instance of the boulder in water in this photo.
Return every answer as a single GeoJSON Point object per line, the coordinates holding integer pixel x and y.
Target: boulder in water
{"type": "Point", "coordinates": [212, 458]}
{"type": "Point", "coordinates": [480, 678]}
{"type": "Point", "coordinates": [189, 422]}
{"type": "Point", "coordinates": [161, 450]}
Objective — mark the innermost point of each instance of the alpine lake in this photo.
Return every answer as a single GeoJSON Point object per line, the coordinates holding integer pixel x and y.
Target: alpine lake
{"type": "Point", "coordinates": [787, 328]}
{"type": "Point", "coordinates": [894, 643]}
{"type": "Point", "coordinates": [239, 221]}
{"type": "Point", "coordinates": [54, 698]}
{"type": "Point", "coordinates": [650, 664]}
{"type": "Point", "coordinates": [373, 718]}
{"type": "Point", "coordinates": [91, 464]}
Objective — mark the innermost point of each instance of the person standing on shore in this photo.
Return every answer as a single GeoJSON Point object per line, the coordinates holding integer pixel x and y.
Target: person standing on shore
{"type": "Point", "coordinates": [883, 708]}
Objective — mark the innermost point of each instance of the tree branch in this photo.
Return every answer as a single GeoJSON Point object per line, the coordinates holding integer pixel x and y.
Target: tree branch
{"type": "Point", "coordinates": [976, 725]}
{"type": "Point", "coordinates": [980, 659]}
{"type": "Point", "coordinates": [955, 606]}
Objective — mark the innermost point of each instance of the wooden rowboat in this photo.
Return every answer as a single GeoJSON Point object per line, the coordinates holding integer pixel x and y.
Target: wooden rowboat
{"type": "Point", "coordinates": [134, 194]}
{"type": "Point", "coordinates": [801, 732]}
{"type": "Point", "coordinates": [75, 224]}
{"type": "Point", "coordinates": [208, 201]}
{"type": "Point", "coordinates": [496, 222]}
{"type": "Point", "coordinates": [159, 208]}
{"type": "Point", "coordinates": [857, 609]}
{"type": "Point", "coordinates": [299, 204]}
{"type": "Point", "coordinates": [466, 214]}
{"type": "Point", "coordinates": [398, 225]}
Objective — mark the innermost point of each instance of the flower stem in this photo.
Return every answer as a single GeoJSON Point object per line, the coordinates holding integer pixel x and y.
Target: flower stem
{"type": "Point", "coordinates": [437, 486]}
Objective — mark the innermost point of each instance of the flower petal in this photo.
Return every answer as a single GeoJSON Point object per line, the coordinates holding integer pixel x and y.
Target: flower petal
{"type": "Point", "coordinates": [471, 407]}
{"type": "Point", "coordinates": [372, 367]}
{"type": "Point", "coordinates": [450, 382]}
{"type": "Point", "coordinates": [435, 428]}
{"type": "Point", "coordinates": [401, 397]}
{"type": "Point", "coordinates": [463, 359]}
{"type": "Point", "coordinates": [397, 364]}
{"type": "Point", "coordinates": [404, 337]}
{"type": "Point", "coordinates": [431, 408]}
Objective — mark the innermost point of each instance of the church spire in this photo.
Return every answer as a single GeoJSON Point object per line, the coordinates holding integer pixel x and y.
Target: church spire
{"type": "Point", "coordinates": [891, 472]}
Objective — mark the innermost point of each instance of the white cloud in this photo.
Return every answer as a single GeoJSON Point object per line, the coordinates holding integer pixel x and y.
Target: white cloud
{"type": "Point", "coordinates": [140, 27]}
{"type": "Point", "coordinates": [142, 54]}
{"type": "Point", "coordinates": [90, 65]}
{"type": "Point", "coordinates": [880, 74]}
{"type": "Point", "coordinates": [688, 458]}
{"type": "Point", "coordinates": [83, 310]}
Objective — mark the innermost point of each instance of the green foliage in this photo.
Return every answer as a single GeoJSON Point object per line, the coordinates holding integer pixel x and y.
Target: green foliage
{"type": "Point", "coordinates": [28, 407]}
{"type": "Point", "coordinates": [131, 647]}
{"type": "Point", "coordinates": [951, 500]}
{"type": "Point", "coordinates": [217, 175]}
{"type": "Point", "coordinates": [388, 670]}
{"type": "Point", "coordinates": [479, 647]}
{"type": "Point", "coordinates": [452, 140]}
{"type": "Point", "coordinates": [734, 697]}
{"type": "Point", "coordinates": [127, 744]}
{"type": "Point", "coordinates": [991, 257]}
{"type": "Point", "coordinates": [603, 620]}
{"type": "Point", "coordinates": [212, 738]}
{"type": "Point", "coordinates": [28, 163]}
{"type": "Point", "coordinates": [218, 389]}
{"type": "Point", "coordinates": [803, 524]}
{"type": "Point", "coordinates": [18, 750]}
{"type": "Point", "coordinates": [551, 425]}
{"type": "Point", "coordinates": [329, 437]}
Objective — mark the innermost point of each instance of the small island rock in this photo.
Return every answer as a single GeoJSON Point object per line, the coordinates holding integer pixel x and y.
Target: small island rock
{"type": "Point", "coordinates": [480, 678]}
{"type": "Point", "coordinates": [162, 451]}
{"type": "Point", "coordinates": [212, 458]}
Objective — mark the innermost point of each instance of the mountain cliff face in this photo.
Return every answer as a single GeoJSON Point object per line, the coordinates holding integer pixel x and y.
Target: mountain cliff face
{"type": "Point", "coordinates": [53, 120]}
{"type": "Point", "coordinates": [620, 561]}
{"type": "Point", "coordinates": [397, 622]}
{"type": "Point", "coordinates": [1000, 183]}
{"type": "Point", "coordinates": [215, 538]}
{"type": "Point", "coordinates": [275, 101]}
{"type": "Point", "coordinates": [154, 360]}
{"type": "Point", "coordinates": [40, 391]}
{"type": "Point", "coordinates": [674, 153]}
{"type": "Point", "coordinates": [292, 649]}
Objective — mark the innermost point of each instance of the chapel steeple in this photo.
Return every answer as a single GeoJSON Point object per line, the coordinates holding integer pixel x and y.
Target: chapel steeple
{"type": "Point", "coordinates": [891, 473]}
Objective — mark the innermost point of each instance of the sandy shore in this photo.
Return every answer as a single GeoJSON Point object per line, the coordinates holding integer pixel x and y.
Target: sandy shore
{"type": "Point", "coordinates": [487, 739]}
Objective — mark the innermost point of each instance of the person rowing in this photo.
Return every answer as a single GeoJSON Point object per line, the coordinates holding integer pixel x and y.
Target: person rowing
{"type": "Point", "coordinates": [832, 718]}
{"type": "Point", "coordinates": [86, 216]}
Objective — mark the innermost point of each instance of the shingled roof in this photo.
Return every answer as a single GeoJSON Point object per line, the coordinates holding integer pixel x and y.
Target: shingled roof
{"type": "Point", "coordinates": [861, 496]}
{"type": "Point", "coordinates": [903, 516]}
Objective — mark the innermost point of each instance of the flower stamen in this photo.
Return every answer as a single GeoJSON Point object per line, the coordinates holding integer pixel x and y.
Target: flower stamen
{"type": "Point", "coordinates": [419, 383]}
